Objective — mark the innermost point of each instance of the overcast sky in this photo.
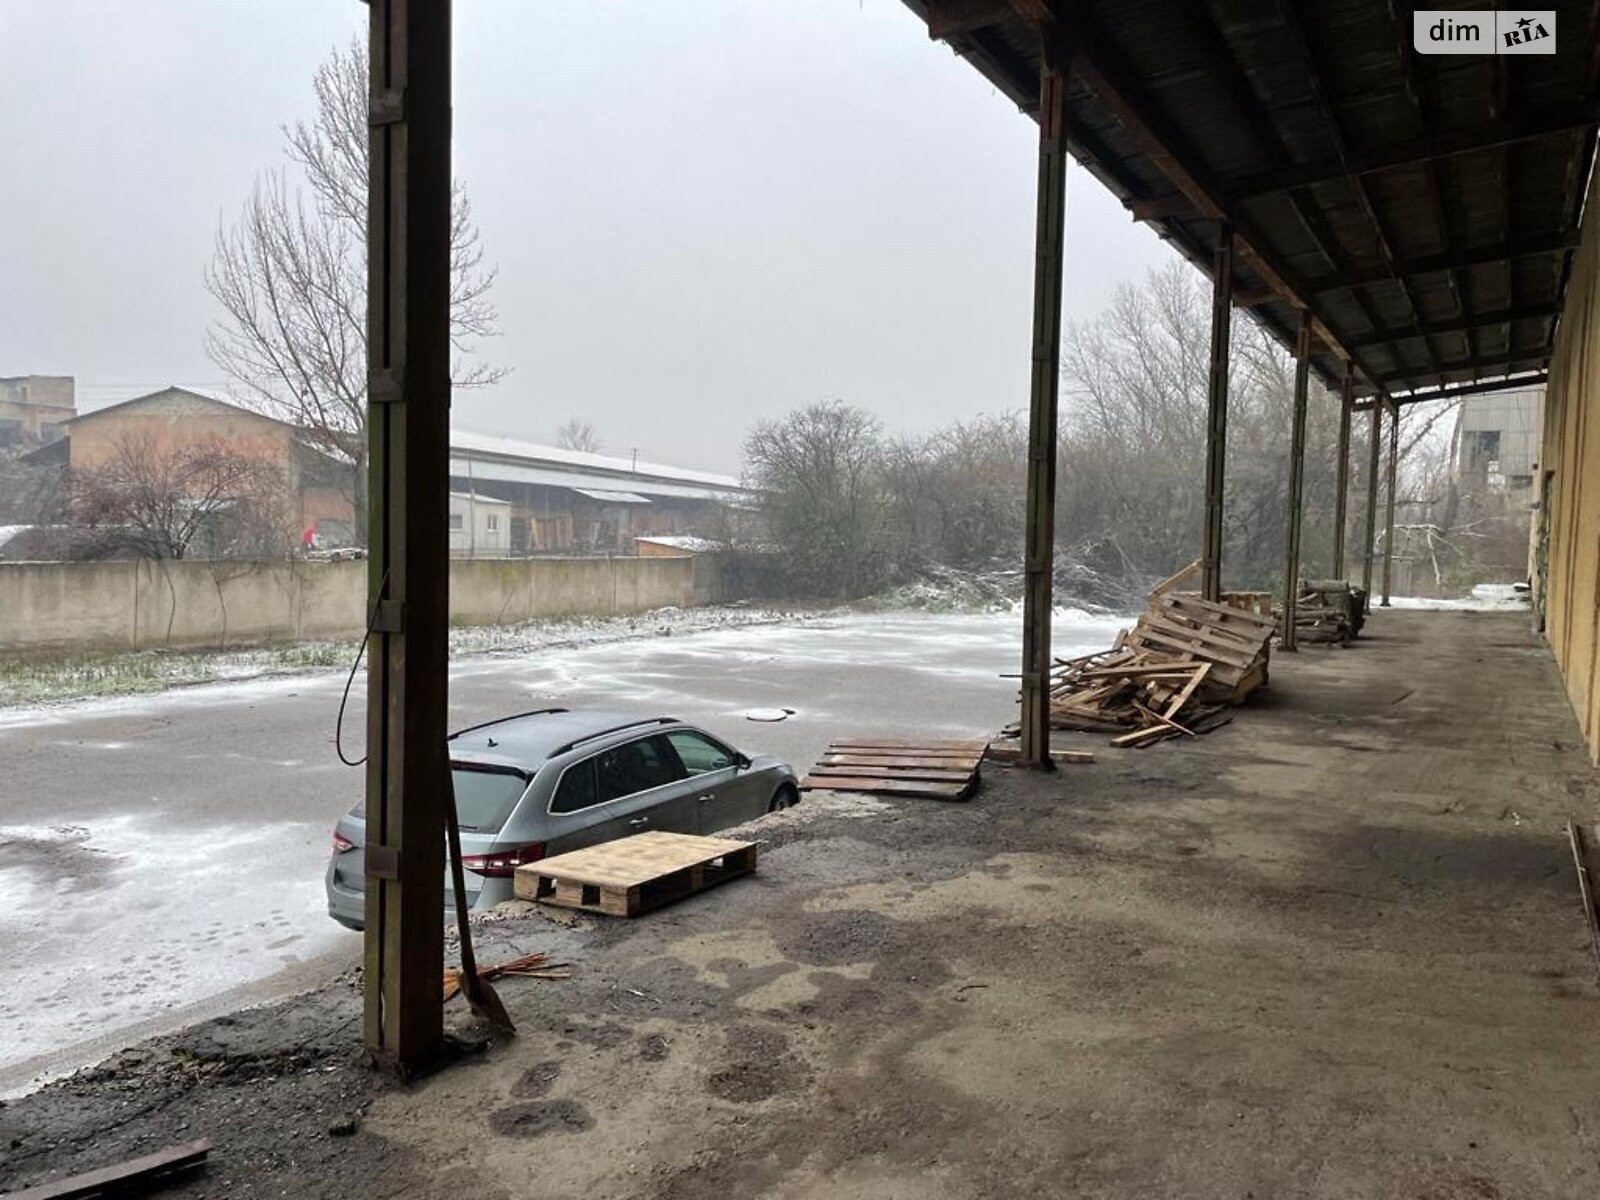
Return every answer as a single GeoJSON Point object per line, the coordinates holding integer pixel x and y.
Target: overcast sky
{"type": "Point", "coordinates": [704, 212]}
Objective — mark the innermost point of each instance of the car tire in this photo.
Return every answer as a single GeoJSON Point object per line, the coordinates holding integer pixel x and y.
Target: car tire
{"type": "Point", "coordinates": [784, 797]}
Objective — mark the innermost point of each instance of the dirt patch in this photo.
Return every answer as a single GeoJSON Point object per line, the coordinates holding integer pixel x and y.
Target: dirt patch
{"type": "Point", "coordinates": [535, 1118]}
{"type": "Point", "coordinates": [536, 1080]}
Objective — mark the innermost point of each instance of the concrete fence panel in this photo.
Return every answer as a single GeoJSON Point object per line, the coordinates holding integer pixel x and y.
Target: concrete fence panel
{"type": "Point", "coordinates": [197, 605]}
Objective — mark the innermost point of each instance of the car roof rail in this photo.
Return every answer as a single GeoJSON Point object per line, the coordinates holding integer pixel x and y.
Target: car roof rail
{"type": "Point", "coordinates": [532, 712]}
{"type": "Point", "coordinates": [600, 733]}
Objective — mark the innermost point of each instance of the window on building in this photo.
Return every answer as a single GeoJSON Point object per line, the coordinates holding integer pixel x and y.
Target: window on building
{"type": "Point", "coordinates": [455, 521]}
{"type": "Point", "coordinates": [492, 523]}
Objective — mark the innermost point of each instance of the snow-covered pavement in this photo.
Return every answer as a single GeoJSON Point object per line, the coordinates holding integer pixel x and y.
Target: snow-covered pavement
{"type": "Point", "coordinates": [161, 856]}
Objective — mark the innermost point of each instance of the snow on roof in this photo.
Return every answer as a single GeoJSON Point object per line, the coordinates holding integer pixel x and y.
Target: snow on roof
{"type": "Point", "coordinates": [478, 498]}
{"type": "Point", "coordinates": [463, 441]}
{"type": "Point", "coordinates": [612, 497]}
{"type": "Point", "coordinates": [682, 541]}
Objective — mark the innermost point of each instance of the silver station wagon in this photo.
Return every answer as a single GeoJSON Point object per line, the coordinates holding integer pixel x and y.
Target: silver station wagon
{"type": "Point", "coordinates": [542, 783]}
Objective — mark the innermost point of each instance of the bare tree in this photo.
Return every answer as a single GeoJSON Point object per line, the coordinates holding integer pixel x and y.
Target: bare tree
{"type": "Point", "coordinates": [820, 475]}
{"type": "Point", "coordinates": [290, 277]}
{"type": "Point", "coordinates": [577, 434]}
{"type": "Point", "coordinates": [161, 499]}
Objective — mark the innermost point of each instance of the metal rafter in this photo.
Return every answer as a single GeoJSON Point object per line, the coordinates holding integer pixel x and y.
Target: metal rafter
{"type": "Point", "coordinates": [1306, 49]}
{"type": "Point", "coordinates": [1562, 122]}
{"type": "Point", "coordinates": [1482, 320]}
{"type": "Point", "coordinates": [1534, 247]}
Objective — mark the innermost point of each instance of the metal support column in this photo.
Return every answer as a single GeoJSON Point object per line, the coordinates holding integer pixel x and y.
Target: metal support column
{"type": "Point", "coordinates": [1217, 416]}
{"type": "Point", "coordinates": [1374, 450]}
{"type": "Point", "coordinates": [408, 435]}
{"type": "Point", "coordinates": [1039, 562]}
{"type": "Point", "coordinates": [1394, 462]}
{"type": "Point", "coordinates": [1342, 482]}
{"type": "Point", "coordinates": [1297, 470]}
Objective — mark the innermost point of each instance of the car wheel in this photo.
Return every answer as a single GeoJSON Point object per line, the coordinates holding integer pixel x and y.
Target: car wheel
{"type": "Point", "coordinates": [783, 798]}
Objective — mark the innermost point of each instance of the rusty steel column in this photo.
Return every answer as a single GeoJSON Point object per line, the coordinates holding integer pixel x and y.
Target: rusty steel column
{"type": "Point", "coordinates": [408, 438]}
{"type": "Point", "coordinates": [1297, 470]}
{"type": "Point", "coordinates": [1374, 451]}
{"type": "Point", "coordinates": [1217, 416]}
{"type": "Point", "coordinates": [1394, 462]}
{"type": "Point", "coordinates": [1342, 481]}
{"type": "Point", "coordinates": [1039, 561]}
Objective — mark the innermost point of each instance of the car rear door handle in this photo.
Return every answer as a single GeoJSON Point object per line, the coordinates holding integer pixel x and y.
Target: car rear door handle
{"type": "Point", "coordinates": [707, 798]}
{"type": "Point", "coordinates": [639, 822]}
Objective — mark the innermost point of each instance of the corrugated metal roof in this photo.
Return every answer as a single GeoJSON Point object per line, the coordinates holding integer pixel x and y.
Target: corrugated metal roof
{"type": "Point", "coordinates": [1422, 208]}
{"type": "Point", "coordinates": [474, 445]}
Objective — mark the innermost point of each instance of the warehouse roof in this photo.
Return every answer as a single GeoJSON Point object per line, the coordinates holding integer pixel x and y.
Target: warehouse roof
{"type": "Point", "coordinates": [1421, 208]}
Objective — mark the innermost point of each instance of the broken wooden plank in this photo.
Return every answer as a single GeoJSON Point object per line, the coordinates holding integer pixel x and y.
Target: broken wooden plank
{"type": "Point", "coordinates": [928, 775]}
{"type": "Point", "coordinates": [1009, 754]}
{"type": "Point", "coordinates": [1173, 580]}
{"type": "Point", "coordinates": [1188, 690]}
{"type": "Point", "coordinates": [124, 1177]}
{"type": "Point", "coordinates": [1586, 886]}
{"type": "Point", "coordinates": [887, 787]}
{"type": "Point", "coordinates": [873, 760]}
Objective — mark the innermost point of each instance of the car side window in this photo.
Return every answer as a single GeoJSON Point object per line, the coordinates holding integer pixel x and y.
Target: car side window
{"type": "Point", "coordinates": [698, 753]}
{"type": "Point", "coordinates": [634, 767]}
{"type": "Point", "coordinates": [576, 790]}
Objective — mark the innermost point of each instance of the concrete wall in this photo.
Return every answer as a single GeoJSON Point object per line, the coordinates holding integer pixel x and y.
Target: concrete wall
{"type": "Point", "coordinates": [141, 605]}
{"type": "Point", "coordinates": [1567, 526]}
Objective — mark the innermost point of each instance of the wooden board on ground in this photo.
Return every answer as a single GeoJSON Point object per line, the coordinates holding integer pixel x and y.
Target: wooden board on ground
{"type": "Point", "coordinates": [936, 769]}
{"type": "Point", "coordinates": [635, 874]}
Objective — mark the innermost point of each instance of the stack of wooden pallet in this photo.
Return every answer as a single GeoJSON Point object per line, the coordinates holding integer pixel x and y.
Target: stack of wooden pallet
{"type": "Point", "coordinates": [1235, 641]}
{"type": "Point", "coordinates": [937, 770]}
{"type": "Point", "coordinates": [1329, 611]}
{"type": "Point", "coordinates": [1173, 674]}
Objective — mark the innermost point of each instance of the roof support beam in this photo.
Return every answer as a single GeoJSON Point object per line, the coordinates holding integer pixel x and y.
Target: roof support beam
{"type": "Point", "coordinates": [1116, 88]}
{"type": "Point", "coordinates": [1374, 448]}
{"type": "Point", "coordinates": [1394, 464]}
{"type": "Point", "coordinates": [1039, 551]}
{"type": "Point", "coordinates": [1342, 474]}
{"type": "Point", "coordinates": [1297, 471]}
{"type": "Point", "coordinates": [1387, 337]}
{"type": "Point", "coordinates": [1455, 391]}
{"type": "Point", "coordinates": [1217, 418]}
{"type": "Point", "coordinates": [949, 18]}
{"type": "Point", "coordinates": [1488, 136]}
{"type": "Point", "coordinates": [408, 439]}
{"type": "Point", "coordinates": [1530, 361]}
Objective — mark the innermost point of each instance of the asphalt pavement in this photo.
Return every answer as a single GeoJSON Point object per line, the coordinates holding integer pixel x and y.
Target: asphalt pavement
{"type": "Point", "coordinates": [161, 857]}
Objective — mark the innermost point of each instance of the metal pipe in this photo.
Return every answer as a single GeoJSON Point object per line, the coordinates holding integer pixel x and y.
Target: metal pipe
{"type": "Point", "coordinates": [1039, 561]}
{"type": "Point", "coordinates": [408, 434]}
{"type": "Point", "coordinates": [1297, 467]}
{"type": "Point", "coordinates": [1342, 483]}
{"type": "Point", "coordinates": [1217, 416]}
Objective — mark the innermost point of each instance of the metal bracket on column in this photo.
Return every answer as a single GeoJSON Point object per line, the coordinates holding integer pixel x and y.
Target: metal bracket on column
{"type": "Point", "coordinates": [387, 108]}
{"type": "Point", "coordinates": [389, 617]}
{"type": "Point", "coordinates": [386, 385]}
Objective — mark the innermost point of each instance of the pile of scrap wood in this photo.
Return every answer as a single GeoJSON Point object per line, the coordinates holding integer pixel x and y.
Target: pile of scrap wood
{"type": "Point", "coordinates": [1175, 673]}
{"type": "Point", "coordinates": [1329, 610]}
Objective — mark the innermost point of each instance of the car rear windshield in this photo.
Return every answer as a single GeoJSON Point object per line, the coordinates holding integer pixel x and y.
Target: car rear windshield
{"type": "Point", "coordinates": [485, 796]}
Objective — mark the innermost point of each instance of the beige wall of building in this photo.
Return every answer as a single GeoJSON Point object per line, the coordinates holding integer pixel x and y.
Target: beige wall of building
{"type": "Point", "coordinates": [1566, 533]}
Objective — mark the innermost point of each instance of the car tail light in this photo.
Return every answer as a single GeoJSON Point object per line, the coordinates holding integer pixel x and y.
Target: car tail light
{"type": "Point", "coordinates": [503, 863]}
{"type": "Point", "coordinates": [341, 844]}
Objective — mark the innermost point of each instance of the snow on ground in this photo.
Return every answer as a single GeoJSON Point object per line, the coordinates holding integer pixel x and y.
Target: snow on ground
{"type": "Point", "coordinates": [164, 852]}
{"type": "Point", "coordinates": [1485, 597]}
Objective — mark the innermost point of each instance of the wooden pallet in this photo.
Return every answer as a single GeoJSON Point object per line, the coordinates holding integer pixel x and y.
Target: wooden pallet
{"type": "Point", "coordinates": [635, 874]}
{"type": "Point", "coordinates": [937, 770]}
